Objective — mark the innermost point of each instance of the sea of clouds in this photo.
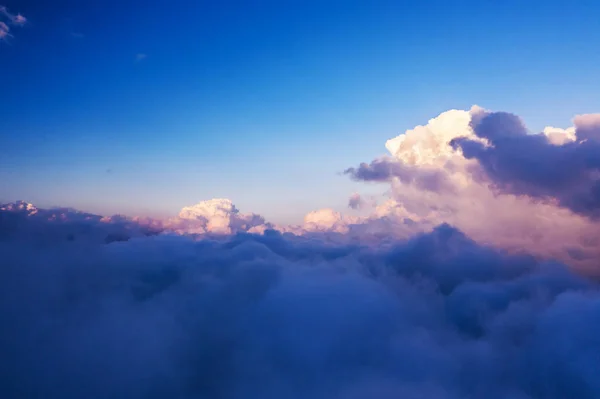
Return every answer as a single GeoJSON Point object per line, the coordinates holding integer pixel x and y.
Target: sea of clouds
{"type": "Point", "coordinates": [476, 277]}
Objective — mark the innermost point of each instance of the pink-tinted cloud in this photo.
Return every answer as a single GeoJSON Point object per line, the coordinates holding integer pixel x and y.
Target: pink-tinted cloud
{"type": "Point", "coordinates": [472, 153]}
{"type": "Point", "coordinates": [4, 30]}
{"type": "Point", "coordinates": [15, 19]}
{"type": "Point", "coordinates": [530, 164]}
{"type": "Point", "coordinates": [6, 19]}
{"type": "Point", "coordinates": [284, 316]}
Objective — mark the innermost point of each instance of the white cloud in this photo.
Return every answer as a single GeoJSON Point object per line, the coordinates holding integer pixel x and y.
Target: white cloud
{"type": "Point", "coordinates": [469, 202]}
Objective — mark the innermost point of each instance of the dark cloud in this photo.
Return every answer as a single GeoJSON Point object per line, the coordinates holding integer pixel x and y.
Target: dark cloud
{"type": "Point", "coordinates": [356, 201]}
{"type": "Point", "coordinates": [385, 169]}
{"type": "Point", "coordinates": [281, 316]}
{"type": "Point", "coordinates": [529, 164]}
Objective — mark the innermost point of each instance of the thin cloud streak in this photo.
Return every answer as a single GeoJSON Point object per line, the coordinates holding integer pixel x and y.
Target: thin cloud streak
{"type": "Point", "coordinates": [9, 19]}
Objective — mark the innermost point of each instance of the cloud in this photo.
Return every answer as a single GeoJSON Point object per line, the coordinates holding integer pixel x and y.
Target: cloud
{"type": "Point", "coordinates": [216, 216]}
{"type": "Point", "coordinates": [140, 57]}
{"type": "Point", "coordinates": [356, 201]}
{"type": "Point", "coordinates": [15, 19]}
{"type": "Point", "coordinates": [538, 166]}
{"type": "Point", "coordinates": [385, 169]}
{"type": "Point", "coordinates": [24, 221]}
{"type": "Point", "coordinates": [462, 288]}
{"type": "Point", "coordinates": [501, 186]}
{"type": "Point", "coordinates": [6, 19]}
{"type": "Point", "coordinates": [4, 30]}
{"type": "Point", "coordinates": [278, 315]}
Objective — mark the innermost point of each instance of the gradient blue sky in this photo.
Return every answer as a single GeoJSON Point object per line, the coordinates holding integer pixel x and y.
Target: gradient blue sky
{"type": "Point", "coordinates": [263, 102]}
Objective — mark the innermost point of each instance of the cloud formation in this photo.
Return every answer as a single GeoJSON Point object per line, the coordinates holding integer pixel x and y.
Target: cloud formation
{"type": "Point", "coordinates": [216, 216]}
{"type": "Point", "coordinates": [278, 315]}
{"type": "Point", "coordinates": [385, 169]}
{"type": "Point", "coordinates": [7, 19]}
{"type": "Point", "coordinates": [534, 165]}
{"type": "Point", "coordinates": [498, 184]}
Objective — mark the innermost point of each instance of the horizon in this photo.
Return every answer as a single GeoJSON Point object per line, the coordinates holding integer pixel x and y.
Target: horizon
{"type": "Point", "coordinates": [263, 104]}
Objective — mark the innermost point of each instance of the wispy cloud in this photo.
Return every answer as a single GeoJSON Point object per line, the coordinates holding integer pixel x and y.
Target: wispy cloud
{"type": "Point", "coordinates": [7, 19]}
{"type": "Point", "coordinates": [4, 30]}
{"type": "Point", "coordinates": [139, 57]}
{"type": "Point", "coordinates": [15, 19]}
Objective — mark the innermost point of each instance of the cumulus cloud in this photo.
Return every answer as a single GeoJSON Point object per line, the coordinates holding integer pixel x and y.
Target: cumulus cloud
{"type": "Point", "coordinates": [537, 166]}
{"type": "Point", "coordinates": [217, 216]}
{"type": "Point", "coordinates": [501, 185]}
{"type": "Point", "coordinates": [278, 315]}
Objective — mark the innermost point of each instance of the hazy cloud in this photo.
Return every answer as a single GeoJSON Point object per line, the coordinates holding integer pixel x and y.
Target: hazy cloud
{"type": "Point", "coordinates": [502, 186]}
{"type": "Point", "coordinates": [274, 315]}
{"type": "Point", "coordinates": [385, 169]}
{"type": "Point", "coordinates": [15, 19]}
{"type": "Point", "coordinates": [356, 201]}
{"type": "Point", "coordinates": [7, 19]}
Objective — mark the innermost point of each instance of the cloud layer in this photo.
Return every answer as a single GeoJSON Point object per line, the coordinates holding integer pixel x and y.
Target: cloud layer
{"type": "Point", "coordinates": [278, 315]}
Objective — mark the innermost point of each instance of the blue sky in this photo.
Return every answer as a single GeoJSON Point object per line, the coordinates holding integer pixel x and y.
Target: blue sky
{"type": "Point", "coordinates": [144, 107]}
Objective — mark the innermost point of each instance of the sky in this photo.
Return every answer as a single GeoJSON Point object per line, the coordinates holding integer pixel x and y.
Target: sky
{"type": "Point", "coordinates": [343, 200]}
{"type": "Point", "coordinates": [142, 108]}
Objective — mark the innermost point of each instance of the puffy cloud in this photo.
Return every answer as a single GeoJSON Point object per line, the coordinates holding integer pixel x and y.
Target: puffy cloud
{"type": "Point", "coordinates": [278, 315]}
{"type": "Point", "coordinates": [540, 165]}
{"type": "Point", "coordinates": [386, 169]}
{"type": "Point", "coordinates": [327, 220]}
{"type": "Point", "coordinates": [217, 217]}
{"type": "Point", "coordinates": [501, 186]}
